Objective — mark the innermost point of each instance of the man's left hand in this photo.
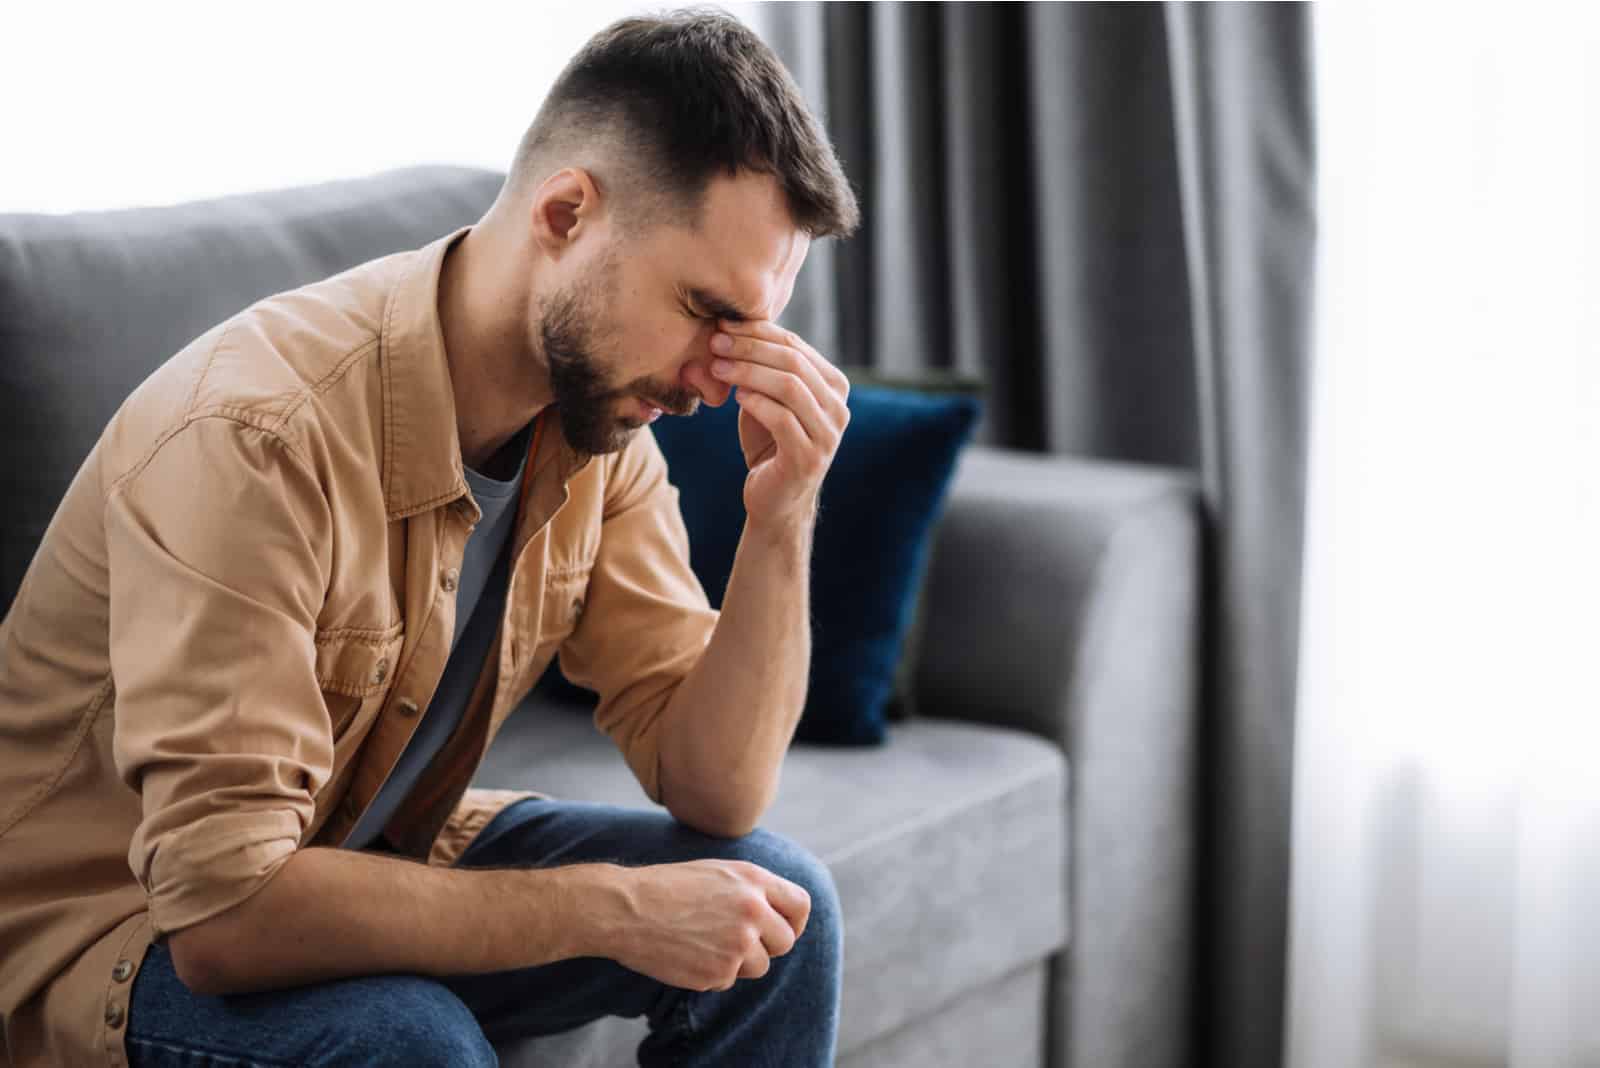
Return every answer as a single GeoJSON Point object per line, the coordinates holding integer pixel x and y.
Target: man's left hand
{"type": "Point", "coordinates": [792, 414]}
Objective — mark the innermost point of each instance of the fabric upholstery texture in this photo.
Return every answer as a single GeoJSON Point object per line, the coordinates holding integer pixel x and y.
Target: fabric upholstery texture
{"type": "Point", "coordinates": [1063, 598]}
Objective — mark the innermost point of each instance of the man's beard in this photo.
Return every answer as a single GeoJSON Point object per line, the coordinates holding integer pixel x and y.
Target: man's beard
{"type": "Point", "coordinates": [585, 400]}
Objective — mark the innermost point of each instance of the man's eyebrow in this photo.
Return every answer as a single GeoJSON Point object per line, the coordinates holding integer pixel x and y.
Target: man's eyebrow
{"type": "Point", "coordinates": [717, 306]}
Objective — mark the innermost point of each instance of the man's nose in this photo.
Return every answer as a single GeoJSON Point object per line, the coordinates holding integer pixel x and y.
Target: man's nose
{"type": "Point", "coordinates": [696, 374]}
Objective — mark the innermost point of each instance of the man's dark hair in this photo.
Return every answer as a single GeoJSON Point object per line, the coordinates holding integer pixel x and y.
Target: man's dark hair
{"type": "Point", "coordinates": [655, 106]}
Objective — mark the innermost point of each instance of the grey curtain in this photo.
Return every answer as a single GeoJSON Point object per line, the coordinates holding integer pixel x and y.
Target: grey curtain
{"type": "Point", "coordinates": [1105, 212]}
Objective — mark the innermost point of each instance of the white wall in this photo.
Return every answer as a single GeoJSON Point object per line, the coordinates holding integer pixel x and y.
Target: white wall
{"type": "Point", "coordinates": [111, 105]}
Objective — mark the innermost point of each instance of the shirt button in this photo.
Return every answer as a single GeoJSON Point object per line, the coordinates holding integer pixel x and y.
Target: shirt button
{"type": "Point", "coordinates": [406, 706]}
{"type": "Point", "coordinates": [121, 970]}
{"type": "Point", "coordinates": [577, 608]}
{"type": "Point", "coordinates": [113, 1014]}
{"type": "Point", "coordinates": [449, 580]}
{"type": "Point", "coordinates": [381, 672]}
{"type": "Point", "coordinates": [351, 809]}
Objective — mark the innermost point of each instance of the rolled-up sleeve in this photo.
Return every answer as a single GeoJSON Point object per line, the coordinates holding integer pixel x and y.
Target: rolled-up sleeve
{"type": "Point", "coordinates": [218, 554]}
{"type": "Point", "coordinates": [647, 619]}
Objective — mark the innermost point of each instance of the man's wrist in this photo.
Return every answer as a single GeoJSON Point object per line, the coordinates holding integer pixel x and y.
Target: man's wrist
{"type": "Point", "coordinates": [600, 906]}
{"type": "Point", "coordinates": [788, 533]}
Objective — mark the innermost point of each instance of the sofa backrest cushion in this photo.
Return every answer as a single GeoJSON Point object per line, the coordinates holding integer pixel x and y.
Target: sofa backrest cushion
{"type": "Point", "coordinates": [92, 303]}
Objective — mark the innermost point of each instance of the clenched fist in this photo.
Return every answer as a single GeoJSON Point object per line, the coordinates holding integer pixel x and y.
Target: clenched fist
{"type": "Point", "coordinates": [703, 924]}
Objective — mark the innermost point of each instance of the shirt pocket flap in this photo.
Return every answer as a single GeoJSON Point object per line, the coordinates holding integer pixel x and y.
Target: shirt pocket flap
{"type": "Point", "coordinates": [358, 661]}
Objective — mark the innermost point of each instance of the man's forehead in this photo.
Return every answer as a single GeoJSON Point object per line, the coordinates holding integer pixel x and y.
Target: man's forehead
{"type": "Point", "coordinates": [749, 251]}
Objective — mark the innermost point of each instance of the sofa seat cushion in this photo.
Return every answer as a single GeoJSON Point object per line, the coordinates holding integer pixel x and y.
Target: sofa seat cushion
{"type": "Point", "coordinates": [947, 845]}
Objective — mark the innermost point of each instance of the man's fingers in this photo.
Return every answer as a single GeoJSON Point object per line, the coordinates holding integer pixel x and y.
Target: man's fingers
{"type": "Point", "coordinates": [791, 901]}
{"type": "Point", "coordinates": [785, 359]}
{"type": "Point", "coordinates": [764, 328]}
{"type": "Point", "coordinates": [777, 934]}
{"type": "Point", "coordinates": [789, 390]}
{"type": "Point", "coordinates": [800, 454]}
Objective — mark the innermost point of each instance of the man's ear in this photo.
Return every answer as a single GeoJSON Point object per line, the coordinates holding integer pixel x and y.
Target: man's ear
{"type": "Point", "coordinates": [565, 206]}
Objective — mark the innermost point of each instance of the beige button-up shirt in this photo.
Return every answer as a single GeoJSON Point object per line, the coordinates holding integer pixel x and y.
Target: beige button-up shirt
{"type": "Point", "coordinates": [242, 607]}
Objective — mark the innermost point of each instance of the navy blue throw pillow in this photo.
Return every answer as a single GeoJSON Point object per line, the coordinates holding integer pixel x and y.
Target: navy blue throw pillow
{"type": "Point", "coordinates": [880, 501]}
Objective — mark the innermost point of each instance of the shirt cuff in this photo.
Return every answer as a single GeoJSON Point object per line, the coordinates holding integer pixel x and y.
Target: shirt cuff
{"type": "Point", "coordinates": [211, 865]}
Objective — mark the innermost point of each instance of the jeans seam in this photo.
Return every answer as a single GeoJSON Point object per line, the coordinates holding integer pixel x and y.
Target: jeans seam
{"type": "Point", "coordinates": [190, 1050]}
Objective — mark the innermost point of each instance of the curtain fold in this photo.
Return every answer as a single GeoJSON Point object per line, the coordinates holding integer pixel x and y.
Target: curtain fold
{"type": "Point", "coordinates": [1243, 127]}
{"type": "Point", "coordinates": [1105, 212]}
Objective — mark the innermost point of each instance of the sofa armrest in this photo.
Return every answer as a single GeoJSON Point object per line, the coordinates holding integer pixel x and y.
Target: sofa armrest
{"type": "Point", "coordinates": [1063, 598]}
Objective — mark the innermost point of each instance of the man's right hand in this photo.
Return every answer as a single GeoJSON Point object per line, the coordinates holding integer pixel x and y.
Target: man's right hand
{"type": "Point", "coordinates": [703, 924]}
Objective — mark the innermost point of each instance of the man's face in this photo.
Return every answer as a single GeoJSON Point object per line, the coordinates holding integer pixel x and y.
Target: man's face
{"type": "Point", "coordinates": [631, 333]}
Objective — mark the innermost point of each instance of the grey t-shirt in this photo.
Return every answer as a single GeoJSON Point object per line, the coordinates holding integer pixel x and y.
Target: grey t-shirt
{"type": "Point", "coordinates": [480, 600]}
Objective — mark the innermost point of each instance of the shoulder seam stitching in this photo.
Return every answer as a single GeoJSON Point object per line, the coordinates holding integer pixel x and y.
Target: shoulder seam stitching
{"type": "Point", "coordinates": [238, 416]}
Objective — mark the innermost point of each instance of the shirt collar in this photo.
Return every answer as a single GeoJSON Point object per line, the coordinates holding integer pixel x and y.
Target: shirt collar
{"type": "Point", "coordinates": [421, 446]}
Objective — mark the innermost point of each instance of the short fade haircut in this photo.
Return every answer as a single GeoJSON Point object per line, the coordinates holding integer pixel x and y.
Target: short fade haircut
{"type": "Point", "coordinates": [657, 105]}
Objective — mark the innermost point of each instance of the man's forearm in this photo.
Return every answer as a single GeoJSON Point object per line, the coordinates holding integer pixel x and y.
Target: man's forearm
{"type": "Point", "coordinates": [333, 913]}
{"type": "Point", "coordinates": [727, 728]}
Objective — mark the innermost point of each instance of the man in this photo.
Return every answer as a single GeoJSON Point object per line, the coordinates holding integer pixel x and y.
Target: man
{"type": "Point", "coordinates": [319, 556]}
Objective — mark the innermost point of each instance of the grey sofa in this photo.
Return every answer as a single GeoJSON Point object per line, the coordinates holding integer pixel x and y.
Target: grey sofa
{"type": "Point", "coordinates": [1014, 865]}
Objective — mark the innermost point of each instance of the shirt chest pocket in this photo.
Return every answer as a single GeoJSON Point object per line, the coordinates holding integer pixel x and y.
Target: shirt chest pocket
{"type": "Point", "coordinates": [355, 670]}
{"type": "Point", "coordinates": [565, 598]}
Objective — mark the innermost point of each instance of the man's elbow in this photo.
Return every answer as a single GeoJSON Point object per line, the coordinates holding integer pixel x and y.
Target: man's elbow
{"type": "Point", "coordinates": [215, 956]}
{"type": "Point", "coordinates": [200, 963]}
{"type": "Point", "coordinates": [717, 828]}
{"type": "Point", "coordinates": [715, 817]}
{"type": "Point", "coordinates": [731, 827]}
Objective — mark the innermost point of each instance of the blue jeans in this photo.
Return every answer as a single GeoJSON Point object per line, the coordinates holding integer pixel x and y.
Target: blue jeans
{"type": "Point", "coordinates": [787, 1017]}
